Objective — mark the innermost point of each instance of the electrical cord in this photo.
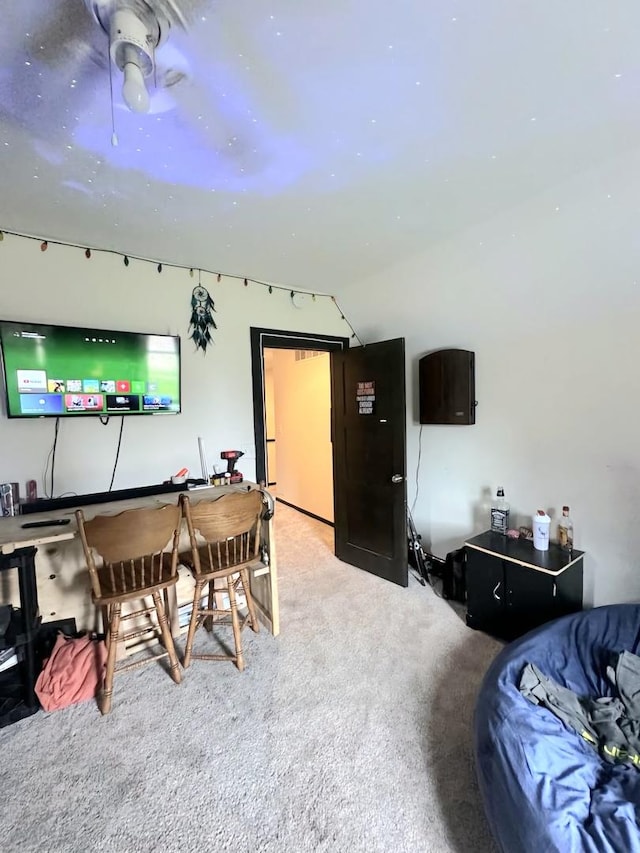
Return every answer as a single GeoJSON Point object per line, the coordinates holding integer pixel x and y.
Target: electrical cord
{"type": "Point", "coordinates": [413, 505]}
{"type": "Point", "coordinates": [115, 464]}
{"type": "Point", "coordinates": [51, 458]}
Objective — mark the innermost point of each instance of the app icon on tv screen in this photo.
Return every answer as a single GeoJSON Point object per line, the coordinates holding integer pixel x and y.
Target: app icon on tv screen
{"type": "Point", "coordinates": [83, 402]}
{"type": "Point", "coordinates": [157, 403]}
{"type": "Point", "coordinates": [41, 404]}
{"type": "Point", "coordinates": [32, 380]}
{"type": "Point", "coordinates": [123, 403]}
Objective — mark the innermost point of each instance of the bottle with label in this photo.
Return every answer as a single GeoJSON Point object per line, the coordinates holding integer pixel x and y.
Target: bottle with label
{"type": "Point", "coordinates": [565, 530]}
{"type": "Point", "coordinates": [500, 513]}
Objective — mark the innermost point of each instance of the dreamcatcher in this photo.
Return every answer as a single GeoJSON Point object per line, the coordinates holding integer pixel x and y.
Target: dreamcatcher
{"type": "Point", "coordinates": [202, 321]}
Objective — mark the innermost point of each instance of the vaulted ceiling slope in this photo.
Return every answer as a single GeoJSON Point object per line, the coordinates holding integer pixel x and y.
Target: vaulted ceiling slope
{"type": "Point", "coordinates": [309, 144]}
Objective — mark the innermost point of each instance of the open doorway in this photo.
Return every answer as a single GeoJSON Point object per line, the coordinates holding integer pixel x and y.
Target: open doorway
{"type": "Point", "coordinates": [292, 417]}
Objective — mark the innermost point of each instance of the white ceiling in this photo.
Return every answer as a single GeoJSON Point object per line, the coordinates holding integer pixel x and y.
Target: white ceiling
{"type": "Point", "coordinates": [311, 144]}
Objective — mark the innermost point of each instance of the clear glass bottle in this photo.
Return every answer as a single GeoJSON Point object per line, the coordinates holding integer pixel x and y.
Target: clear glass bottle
{"type": "Point", "coordinates": [500, 513]}
{"type": "Point", "coordinates": [565, 530]}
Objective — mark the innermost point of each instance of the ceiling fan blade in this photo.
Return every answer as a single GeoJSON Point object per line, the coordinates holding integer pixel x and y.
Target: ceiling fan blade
{"type": "Point", "coordinates": [50, 73]}
{"type": "Point", "coordinates": [67, 37]}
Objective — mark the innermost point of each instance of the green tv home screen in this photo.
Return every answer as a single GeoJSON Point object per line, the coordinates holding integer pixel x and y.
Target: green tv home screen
{"type": "Point", "coordinates": [60, 370]}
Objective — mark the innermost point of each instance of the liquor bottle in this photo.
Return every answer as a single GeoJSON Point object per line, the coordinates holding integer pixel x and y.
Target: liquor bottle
{"type": "Point", "coordinates": [565, 530]}
{"type": "Point", "coordinates": [500, 513]}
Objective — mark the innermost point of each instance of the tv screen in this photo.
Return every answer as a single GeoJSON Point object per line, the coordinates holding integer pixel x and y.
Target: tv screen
{"type": "Point", "coordinates": [55, 371]}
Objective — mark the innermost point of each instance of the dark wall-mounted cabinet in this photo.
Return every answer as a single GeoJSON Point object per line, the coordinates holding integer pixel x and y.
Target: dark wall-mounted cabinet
{"type": "Point", "coordinates": [512, 587]}
{"type": "Point", "coordinates": [447, 387]}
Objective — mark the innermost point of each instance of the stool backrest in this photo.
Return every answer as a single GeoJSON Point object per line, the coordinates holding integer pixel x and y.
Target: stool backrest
{"type": "Point", "coordinates": [230, 526]}
{"type": "Point", "coordinates": [129, 537]}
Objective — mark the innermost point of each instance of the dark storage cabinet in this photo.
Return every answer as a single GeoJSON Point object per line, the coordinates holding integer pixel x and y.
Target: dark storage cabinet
{"type": "Point", "coordinates": [17, 695]}
{"type": "Point", "coordinates": [447, 387]}
{"type": "Point", "coordinates": [512, 587]}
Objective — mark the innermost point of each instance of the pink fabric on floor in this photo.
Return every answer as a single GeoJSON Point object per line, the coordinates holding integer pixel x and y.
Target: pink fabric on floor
{"type": "Point", "coordinates": [73, 673]}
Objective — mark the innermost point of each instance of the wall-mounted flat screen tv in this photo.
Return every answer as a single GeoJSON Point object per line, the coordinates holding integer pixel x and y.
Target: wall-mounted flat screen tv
{"type": "Point", "coordinates": [57, 371]}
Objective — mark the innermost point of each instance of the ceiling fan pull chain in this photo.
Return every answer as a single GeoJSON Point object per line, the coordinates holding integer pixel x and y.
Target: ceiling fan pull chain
{"type": "Point", "coordinates": [114, 135]}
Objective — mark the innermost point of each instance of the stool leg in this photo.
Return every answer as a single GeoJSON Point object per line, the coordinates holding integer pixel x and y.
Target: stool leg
{"type": "Point", "coordinates": [197, 595]}
{"type": "Point", "coordinates": [168, 639]}
{"type": "Point", "coordinates": [104, 701]}
{"type": "Point", "coordinates": [235, 621]}
{"type": "Point", "coordinates": [253, 616]}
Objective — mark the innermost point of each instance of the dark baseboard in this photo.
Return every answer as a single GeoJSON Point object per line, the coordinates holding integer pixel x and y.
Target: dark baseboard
{"type": "Point", "coordinates": [306, 512]}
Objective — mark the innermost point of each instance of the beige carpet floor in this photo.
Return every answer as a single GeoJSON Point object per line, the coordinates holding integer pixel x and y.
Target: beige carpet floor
{"type": "Point", "coordinates": [351, 731]}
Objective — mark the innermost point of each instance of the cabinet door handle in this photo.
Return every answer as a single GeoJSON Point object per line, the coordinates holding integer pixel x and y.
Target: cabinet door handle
{"type": "Point", "coordinates": [495, 591]}
{"type": "Point", "coordinates": [555, 589]}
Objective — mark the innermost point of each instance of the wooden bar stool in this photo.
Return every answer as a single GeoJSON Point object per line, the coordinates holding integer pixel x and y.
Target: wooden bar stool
{"type": "Point", "coordinates": [225, 540]}
{"type": "Point", "coordinates": [134, 565]}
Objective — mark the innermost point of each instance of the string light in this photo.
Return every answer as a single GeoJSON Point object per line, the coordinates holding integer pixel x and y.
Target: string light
{"type": "Point", "coordinates": [44, 245]}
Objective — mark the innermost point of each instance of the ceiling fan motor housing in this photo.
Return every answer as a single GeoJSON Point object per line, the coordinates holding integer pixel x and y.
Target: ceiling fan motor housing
{"type": "Point", "coordinates": [135, 29]}
{"type": "Point", "coordinates": [129, 33]}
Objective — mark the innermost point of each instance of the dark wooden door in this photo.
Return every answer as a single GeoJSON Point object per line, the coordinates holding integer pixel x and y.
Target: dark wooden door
{"type": "Point", "coordinates": [368, 421]}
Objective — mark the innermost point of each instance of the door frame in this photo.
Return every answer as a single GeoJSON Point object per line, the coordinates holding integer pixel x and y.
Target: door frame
{"type": "Point", "coordinates": [278, 339]}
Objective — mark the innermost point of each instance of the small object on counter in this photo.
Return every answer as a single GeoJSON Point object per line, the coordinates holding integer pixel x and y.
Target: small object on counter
{"type": "Point", "coordinates": [32, 490]}
{"type": "Point", "coordinates": [7, 507]}
{"type": "Point", "coordinates": [500, 513]}
{"type": "Point", "coordinates": [513, 534]}
{"type": "Point", "coordinates": [232, 457]}
{"type": "Point", "coordinates": [541, 524]}
{"type": "Point", "coordinates": [565, 530]}
{"type": "Point", "coordinates": [526, 532]}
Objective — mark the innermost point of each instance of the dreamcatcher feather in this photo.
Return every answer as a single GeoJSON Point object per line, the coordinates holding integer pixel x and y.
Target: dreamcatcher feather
{"type": "Point", "coordinates": [202, 308]}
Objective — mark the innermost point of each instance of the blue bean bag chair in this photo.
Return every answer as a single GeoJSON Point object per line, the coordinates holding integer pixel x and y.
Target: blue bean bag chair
{"type": "Point", "coordinates": [545, 788]}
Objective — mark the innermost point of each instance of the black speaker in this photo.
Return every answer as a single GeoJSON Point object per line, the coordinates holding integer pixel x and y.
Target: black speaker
{"type": "Point", "coordinates": [447, 387]}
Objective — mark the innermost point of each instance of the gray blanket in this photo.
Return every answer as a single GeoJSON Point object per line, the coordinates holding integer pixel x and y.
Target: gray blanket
{"type": "Point", "coordinates": [611, 724]}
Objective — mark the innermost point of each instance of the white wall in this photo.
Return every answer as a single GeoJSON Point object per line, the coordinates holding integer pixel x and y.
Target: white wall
{"type": "Point", "coordinates": [548, 296]}
{"type": "Point", "coordinates": [62, 286]}
{"type": "Point", "coordinates": [302, 415]}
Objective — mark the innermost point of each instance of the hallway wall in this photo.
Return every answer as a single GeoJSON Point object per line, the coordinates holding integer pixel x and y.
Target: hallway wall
{"type": "Point", "coordinates": [302, 415]}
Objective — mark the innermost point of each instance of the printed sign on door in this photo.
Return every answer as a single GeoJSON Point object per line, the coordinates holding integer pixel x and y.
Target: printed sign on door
{"type": "Point", "coordinates": [366, 397]}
